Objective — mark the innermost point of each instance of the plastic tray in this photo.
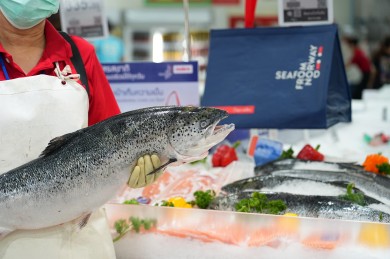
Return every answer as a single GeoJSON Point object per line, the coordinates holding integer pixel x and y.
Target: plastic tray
{"type": "Point", "coordinates": [196, 233]}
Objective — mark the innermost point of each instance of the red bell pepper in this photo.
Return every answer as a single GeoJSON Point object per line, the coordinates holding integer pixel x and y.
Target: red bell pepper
{"type": "Point", "coordinates": [223, 156]}
{"type": "Point", "coordinates": [310, 153]}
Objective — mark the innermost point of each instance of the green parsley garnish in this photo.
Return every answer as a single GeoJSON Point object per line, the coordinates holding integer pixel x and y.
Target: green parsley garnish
{"type": "Point", "coordinates": [260, 203]}
{"type": "Point", "coordinates": [132, 201]}
{"type": "Point", "coordinates": [203, 198]}
{"type": "Point", "coordinates": [352, 196]}
{"type": "Point", "coordinates": [166, 204]}
{"type": "Point", "coordinates": [136, 224]}
{"type": "Point", "coordinates": [384, 168]}
{"type": "Point", "coordinates": [289, 153]}
{"type": "Point", "coordinates": [122, 227]}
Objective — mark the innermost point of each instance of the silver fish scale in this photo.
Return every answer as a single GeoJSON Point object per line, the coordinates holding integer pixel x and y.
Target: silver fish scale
{"type": "Point", "coordinates": [376, 186]}
{"type": "Point", "coordinates": [310, 206]}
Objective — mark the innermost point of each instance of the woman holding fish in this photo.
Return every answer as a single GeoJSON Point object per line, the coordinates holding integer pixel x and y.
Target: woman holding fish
{"type": "Point", "coordinates": [50, 85]}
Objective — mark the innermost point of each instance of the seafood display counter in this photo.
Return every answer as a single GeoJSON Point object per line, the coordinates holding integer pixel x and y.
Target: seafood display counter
{"type": "Point", "coordinates": [328, 226]}
{"type": "Point", "coordinates": [165, 232]}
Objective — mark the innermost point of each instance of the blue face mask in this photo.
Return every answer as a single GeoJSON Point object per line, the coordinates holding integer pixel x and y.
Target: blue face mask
{"type": "Point", "coordinates": [24, 14]}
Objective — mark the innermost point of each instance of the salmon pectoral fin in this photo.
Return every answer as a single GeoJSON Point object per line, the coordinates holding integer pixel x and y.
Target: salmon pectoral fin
{"type": "Point", "coordinates": [81, 222]}
{"type": "Point", "coordinates": [162, 167]}
{"type": "Point", "coordinates": [4, 232]}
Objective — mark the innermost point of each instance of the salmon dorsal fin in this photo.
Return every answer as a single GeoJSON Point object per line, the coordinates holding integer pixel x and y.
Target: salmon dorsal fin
{"type": "Point", "coordinates": [56, 143]}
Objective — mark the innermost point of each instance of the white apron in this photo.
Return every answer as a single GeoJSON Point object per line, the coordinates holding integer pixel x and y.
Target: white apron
{"type": "Point", "coordinates": [34, 110]}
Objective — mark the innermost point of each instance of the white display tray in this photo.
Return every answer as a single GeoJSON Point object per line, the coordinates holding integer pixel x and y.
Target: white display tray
{"type": "Point", "coordinates": [196, 233]}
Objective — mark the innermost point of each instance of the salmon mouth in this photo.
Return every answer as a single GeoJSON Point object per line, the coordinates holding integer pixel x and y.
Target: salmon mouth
{"type": "Point", "coordinates": [219, 129]}
{"type": "Point", "coordinates": [213, 135]}
{"type": "Point", "coordinates": [217, 133]}
{"type": "Point", "coordinates": [220, 132]}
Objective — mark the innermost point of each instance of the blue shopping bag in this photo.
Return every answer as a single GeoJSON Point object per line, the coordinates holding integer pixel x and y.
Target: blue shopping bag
{"type": "Point", "coordinates": [282, 77]}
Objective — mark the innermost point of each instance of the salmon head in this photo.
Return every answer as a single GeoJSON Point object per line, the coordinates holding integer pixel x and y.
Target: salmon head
{"type": "Point", "coordinates": [195, 130]}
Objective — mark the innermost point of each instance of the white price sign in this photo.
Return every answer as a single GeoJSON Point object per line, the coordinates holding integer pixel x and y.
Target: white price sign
{"type": "Point", "coordinates": [85, 18]}
{"type": "Point", "coordinates": [305, 12]}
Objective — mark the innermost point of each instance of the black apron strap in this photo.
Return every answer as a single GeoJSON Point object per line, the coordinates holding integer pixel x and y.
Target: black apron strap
{"type": "Point", "coordinates": [77, 61]}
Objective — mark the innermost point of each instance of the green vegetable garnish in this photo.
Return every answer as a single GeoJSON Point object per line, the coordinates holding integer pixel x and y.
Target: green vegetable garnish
{"type": "Point", "coordinates": [275, 207]}
{"type": "Point", "coordinates": [136, 224]}
{"type": "Point", "coordinates": [121, 227]}
{"type": "Point", "coordinates": [259, 203]}
{"type": "Point", "coordinates": [148, 223]}
{"type": "Point", "coordinates": [357, 198]}
{"type": "Point", "coordinates": [203, 198]}
{"type": "Point", "coordinates": [132, 201]}
{"type": "Point", "coordinates": [166, 204]}
{"type": "Point", "coordinates": [380, 216]}
{"type": "Point", "coordinates": [384, 168]}
{"type": "Point", "coordinates": [287, 154]}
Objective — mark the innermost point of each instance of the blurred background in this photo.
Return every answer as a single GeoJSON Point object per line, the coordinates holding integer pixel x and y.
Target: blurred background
{"type": "Point", "coordinates": [154, 31]}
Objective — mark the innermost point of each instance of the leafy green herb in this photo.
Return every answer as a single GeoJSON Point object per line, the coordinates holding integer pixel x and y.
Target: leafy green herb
{"type": "Point", "coordinates": [384, 168]}
{"type": "Point", "coordinates": [287, 153]}
{"type": "Point", "coordinates": [275, 207]}
{"type": "Point", "coordinates": [260, 203]}
{"type": "Point", "coordinates": [352, 196]}
{"type": "Point", "coordinates": [166, 204]}
{"type": "Point", "coordinates": [149, 223]}
{"type": "Point", "coordinates": [132, 201]}
{"type": "Point", "coordinates": [380, 216]}
{"type": "Point", "coordinates": [203, 198]}
{"type": "Point", "coordinates": [121, 227]}
{"type": "Point", "coordinates": [136, 224]}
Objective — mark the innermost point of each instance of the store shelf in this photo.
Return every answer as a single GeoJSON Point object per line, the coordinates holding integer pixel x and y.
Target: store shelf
{"type": "Point", "coordinates": [161, 16]}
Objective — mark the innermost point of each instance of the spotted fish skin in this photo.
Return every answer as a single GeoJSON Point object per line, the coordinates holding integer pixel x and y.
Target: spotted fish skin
{"type": "Point", "coordinates": [81, 171]}
{"type": "Point", "coordinates": [329, 207]}
{"type": "Point", "coordinates": [373, 185]}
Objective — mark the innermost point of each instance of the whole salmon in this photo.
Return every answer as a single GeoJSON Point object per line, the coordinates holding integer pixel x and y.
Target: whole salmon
{"type": "Point", "coordinates": [79, 172]}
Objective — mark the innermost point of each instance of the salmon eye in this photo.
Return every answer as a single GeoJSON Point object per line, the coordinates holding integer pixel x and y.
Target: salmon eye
{"type": "Point", "coordinates": [203, 124]}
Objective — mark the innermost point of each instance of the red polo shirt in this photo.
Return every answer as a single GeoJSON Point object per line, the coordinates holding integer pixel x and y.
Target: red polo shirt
{"type": "Point", "coordinates": [361, 60]}
{"type": "Point", "coordinates": [102, 103]}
